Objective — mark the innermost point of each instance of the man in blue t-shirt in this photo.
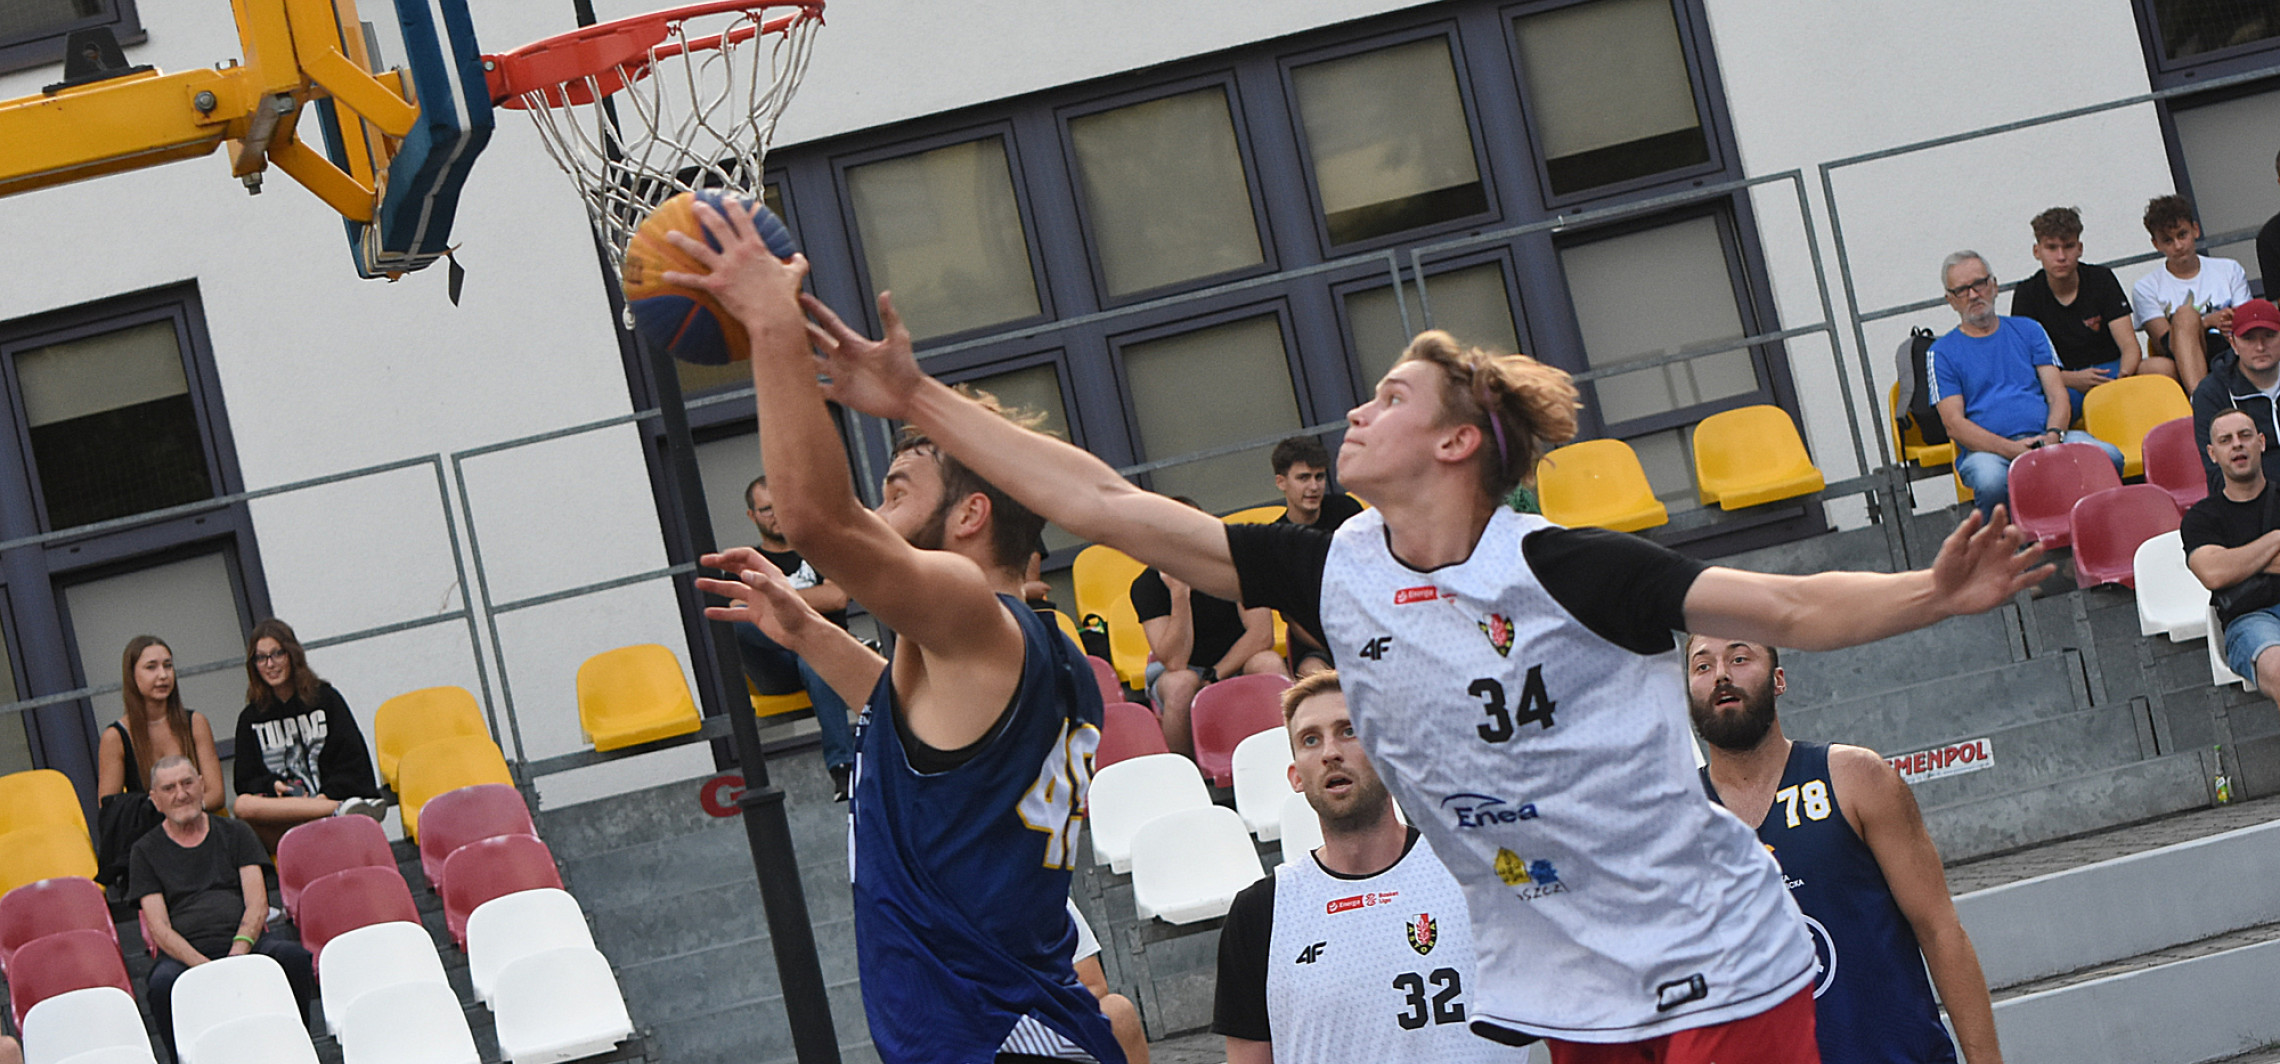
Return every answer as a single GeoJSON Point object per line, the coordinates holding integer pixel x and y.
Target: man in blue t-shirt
{"type": "Point", "coordinates": [1995, 383]}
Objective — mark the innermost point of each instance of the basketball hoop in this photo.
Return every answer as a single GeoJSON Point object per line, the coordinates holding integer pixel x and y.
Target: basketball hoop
{"type": "Point", "coordinates": [642, 108]}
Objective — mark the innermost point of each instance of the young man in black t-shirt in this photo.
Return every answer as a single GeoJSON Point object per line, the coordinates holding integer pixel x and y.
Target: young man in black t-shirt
{"type": "Point", "coordinates": [2231, 538]}
{"type": "Point", "coordinates": [774, 670]}
{"type": "Point", "coordinates": [1302, 474]}
{"type": "Point", "coordinates": [1195, 639]}
{"type": "Point", "coordinates": [2084, 308]}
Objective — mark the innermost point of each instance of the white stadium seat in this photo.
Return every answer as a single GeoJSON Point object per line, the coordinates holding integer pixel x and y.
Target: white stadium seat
{"type": "Point", "coordinates": [257, 1038]}
{"type": "Point", "coordinates": [1128, 794]}
{"type": "Point", "coordinates": [1189, 865]}
{"type": "Point", "coordinates": [110, 1055]}
{"type": "Point", "coordinates": [1261, 781]}
{"type": "Point", "coordinates": [223, 991]}
{"type": "Point", "coordinates": [85, 1021]}
{"type": "Point", "coordinates": [375, 956]}
{"type": "Point", "coordinates": [1301, 829]}
{"type": "Point", "coordinates": [407, 1023]}
{"type": "Point", "coordinates": [513, 926]}
{"type": "Point", "coordinates": [2219, 672]}
{"type": "Point", "coordinates": [2170, 599]}
{"type": "Point", "coordinates": [558, 1005]}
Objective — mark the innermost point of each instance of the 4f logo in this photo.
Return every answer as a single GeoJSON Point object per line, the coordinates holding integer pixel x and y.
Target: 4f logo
{"type": "Point", "coordinates": [1375, 649]}
{"type": "Point", "coordinates": [1311, 953]}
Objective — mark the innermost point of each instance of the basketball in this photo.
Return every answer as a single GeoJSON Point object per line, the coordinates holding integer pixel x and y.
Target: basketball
{"type": "Point", "coordinates": [686, 322]}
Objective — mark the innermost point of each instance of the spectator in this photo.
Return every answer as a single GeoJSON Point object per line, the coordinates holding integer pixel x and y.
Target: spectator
{"type": "Point", "coordinates": [1995, 383]}
{"type": "Point", "coordinates": [2249, 382]}
{"type": "Point", "coordinates": [2268, 248]}
{"type": "Point", "coordinates": [152, 725]}
{"type": "Point", "coordinates": [1302, 474]}
{"type": "Point", "coordinates": [1123, 1015]}
{"type": "Point", "coordinates": [300, 755]}
{"type": "Point", "coordinates": [198, 879]}
{"type": "Point", "coordinates": [1303, 978]}
{"type": "Point", "coordinates": [1195, 639]}
{"type": "Point", "coordinates": [2187, 298]}
{"type": "Point", "coordinates": [2231, 540]}
{"type": "Point", "coordinates": [775, 670]}
{"type": "Point", "coordinates": [10, 1052]}
{"type": "Point", "coordinates": [2082, 308]}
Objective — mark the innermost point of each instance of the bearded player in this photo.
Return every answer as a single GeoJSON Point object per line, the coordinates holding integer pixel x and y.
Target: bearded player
{"type": "Point", "coordinates": [1845, 829]}
{"type": "Point", "coordinates": [976, 741]}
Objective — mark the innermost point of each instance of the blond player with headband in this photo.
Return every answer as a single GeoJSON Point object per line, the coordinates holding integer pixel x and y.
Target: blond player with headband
{"type": "Point", "coordinates": [1491, 653]}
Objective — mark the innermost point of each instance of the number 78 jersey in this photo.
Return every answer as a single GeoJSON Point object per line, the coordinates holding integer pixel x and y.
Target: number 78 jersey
{"type": "Point", "coordinates": [1552, 771]}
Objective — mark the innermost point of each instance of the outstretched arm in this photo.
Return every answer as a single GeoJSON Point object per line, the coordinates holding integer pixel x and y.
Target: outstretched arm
{"type": "Point", "coordinates": [761, 595]}
{"type": "Point", "coordinates": [1063, 484]}
{"type": "Point", "coordinates": [1979, 568]}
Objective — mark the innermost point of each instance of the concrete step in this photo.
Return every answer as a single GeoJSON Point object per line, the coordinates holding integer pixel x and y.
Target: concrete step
{"type": "Point", "coordinates": [2038, 752]}
{"type": "Point", "coordinates": [2075, 805]}
{"type": "Point", "coordinates": [2202, 1001]}
{"type": "Point", "coordinates": [1958, 644]}
{"type": "Point", "coordinates": [1947, 707]}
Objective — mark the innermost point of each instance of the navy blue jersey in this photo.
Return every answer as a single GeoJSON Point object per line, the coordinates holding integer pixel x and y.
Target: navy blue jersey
{"type": "Point", "coordinates": [1872, 1002]}
{"type": "Point", "coordinates": [962, 874]}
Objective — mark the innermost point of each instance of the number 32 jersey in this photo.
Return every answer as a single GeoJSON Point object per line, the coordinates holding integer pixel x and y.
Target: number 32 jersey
{"type": "Point", "coordinates": [1538, 736]}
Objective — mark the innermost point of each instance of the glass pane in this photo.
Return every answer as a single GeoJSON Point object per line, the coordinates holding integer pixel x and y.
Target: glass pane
{"type": "Point", "coordinates": [725, 466]}
{"type": "Point", "coordinates": [23, 18]}
{"type": "Point", "coordinates": [942, 231]}
{"type": "Point", "coordinates": [113, 429]}
{"type": "Point", "coordinates": [2232, 174]}
{"type": "Point", "coordinates": [1471, 303]}
{"type": "Point", "coordinates": [696, 379]}
{"type": "Point", "coordinates": [190, 605]}
{"type": "Point", "coordinates": [15, 752]}
{"type": "Point", "coordinates": [1571, 84]}
{"type": "Point", "coordinates": [1668, 458]}
{"type": "Point", "coordinates": [1036, 389]}
{"type": "Point", "coordinates": [1212, 387]}
{"type": "Point", "coordinates": [2192, 27]}
{"type": "Point", "coordinates": [1684, 266]}
{"type": "Point", "coordinates": [1163, 185]}
{"type": "Point", "coordinates": [1387, 136]}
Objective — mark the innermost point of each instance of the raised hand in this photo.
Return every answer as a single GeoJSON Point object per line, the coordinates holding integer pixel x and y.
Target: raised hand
{"type": "Point", "coordinates": [877, 377]}
{"type": "Point", "coordinates": [760, 594]}
{"type": "Point", "coordinates": [1981, 565]}
{"type": "Point", "coordinates": [744, 277]}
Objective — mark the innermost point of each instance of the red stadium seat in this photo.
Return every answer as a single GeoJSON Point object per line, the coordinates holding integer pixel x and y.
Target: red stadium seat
{"type": "Point", "coordinates": [2046, 483]}
{"type": "Point", "coordinates": [1128, 731]}
{"type": "Point", "coordinates": [319, 848]}
{"type": "Point", "coordinates": [455, 818]}
{"type": "Point", "coordinates": [1228, 712]}
{"type": "Point", "coordinates": [2173, 461]}
{"type": "Point", "coordinates": [349, 899]}
{"type": "Point", "coordinates": [1111, 688]}
{"type": "Point", "coordinates": [36, 910]}
{"type": "Point", "coordinates": [63, 962]}
{"type": "Point", "coordinates": [2109, 526]}
{"type": "Point", "coordinates": [488, 868]}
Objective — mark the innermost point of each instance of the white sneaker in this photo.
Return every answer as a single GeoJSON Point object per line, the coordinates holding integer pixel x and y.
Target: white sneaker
{"type": "Point", "coordinates": [371, 807]}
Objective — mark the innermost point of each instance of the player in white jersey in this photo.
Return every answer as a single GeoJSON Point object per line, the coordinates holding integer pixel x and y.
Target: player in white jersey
{"type": "Point", "coordinates": [1491, 653]}
{"type": "Point", "coordinates": [1360, 950]}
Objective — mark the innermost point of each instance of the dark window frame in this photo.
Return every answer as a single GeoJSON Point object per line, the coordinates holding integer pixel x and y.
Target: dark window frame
{"type": "Point", "coordinates": [43, 48]}
{"type": "Point", "coordinates": [1237, 307]}
{"type": "Point", "coordinates": [2190, 70]}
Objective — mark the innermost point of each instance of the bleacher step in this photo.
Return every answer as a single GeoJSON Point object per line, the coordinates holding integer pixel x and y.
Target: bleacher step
{"type": "Point", "coordinates": [2091, 801]}
{"type": "Point", "coordinates": [1958, 644]}
{"type": "Point", "coordinates": [1925, 714]}
{"type": "Point", "coordinates": [2171, 1010]}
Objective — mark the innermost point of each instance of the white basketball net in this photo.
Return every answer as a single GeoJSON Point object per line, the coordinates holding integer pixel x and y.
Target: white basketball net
{"type": "Point", "coordinates": [696, 117]}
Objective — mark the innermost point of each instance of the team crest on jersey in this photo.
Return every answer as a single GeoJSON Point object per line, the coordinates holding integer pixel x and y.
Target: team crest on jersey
{"type": "Point", "coordinates": [1498, 629]}
{"type": "Point", "coordinates": [1423, 933]}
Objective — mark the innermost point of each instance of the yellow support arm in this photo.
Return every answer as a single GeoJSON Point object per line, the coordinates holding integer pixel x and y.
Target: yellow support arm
{"type": "Point", "coordinates": [122, 124]}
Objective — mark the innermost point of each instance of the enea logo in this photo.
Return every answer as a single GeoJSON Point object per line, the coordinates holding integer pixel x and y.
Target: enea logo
{"type": "Point", "coordinates": [1485, 810]}
{"type": "Point", "coordinates": [1360, 901]}
{"type": "Point", "coordinates": [1407, 595]}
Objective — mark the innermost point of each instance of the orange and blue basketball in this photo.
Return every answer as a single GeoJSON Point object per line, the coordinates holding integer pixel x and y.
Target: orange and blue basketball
{"type": "Point", "coordinates": [686, 322]}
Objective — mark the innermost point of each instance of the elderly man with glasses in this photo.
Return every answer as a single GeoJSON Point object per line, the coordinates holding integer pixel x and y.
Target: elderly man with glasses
{"type": "Point", "coordinates": [1995, 382]}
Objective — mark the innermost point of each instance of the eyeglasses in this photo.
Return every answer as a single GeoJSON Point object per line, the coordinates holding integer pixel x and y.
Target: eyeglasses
{"type": "Point", "coordinates": [272, 656]}
{"type": "Point", "coordinates": [1983, 284]}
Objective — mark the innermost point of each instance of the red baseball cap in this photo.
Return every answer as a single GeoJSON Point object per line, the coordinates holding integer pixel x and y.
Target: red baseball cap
{"type": "Point", "coordinates": [2255, 314]}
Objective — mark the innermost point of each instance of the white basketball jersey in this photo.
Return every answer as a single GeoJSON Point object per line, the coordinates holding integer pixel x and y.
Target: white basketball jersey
{"type": "Point", "coordinates": [1373, 969]}
{"type": "Point", "coordinates": [1610, 900]}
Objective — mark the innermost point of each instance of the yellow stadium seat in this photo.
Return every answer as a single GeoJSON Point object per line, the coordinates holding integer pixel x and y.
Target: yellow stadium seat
{"type": "Point", "coordinates": [1600, 484]}
{"type": "Point", "coordinates": [1750, 456]}
{"type": "Point", "coordinates": [1103, 577]}
{"type": "Point", "coordinates": [434, 768]}
{"type": "Point", "coordinates": [1256, 515]}
{"type": "Point", "coordinates": [1909, 443]}
{"type": "Point", "coordinates": [2121, 412]}
{"type": "Point", "coordinates": [39, 797]}
{"type": "Point", "coordinates": [634, 695]}
{"type": "Point", "coordinates": [775, 705]}
{"type": "Point", "coordinates": [44, 851]}
{"type": "Point", "coordinates": [415, 718]}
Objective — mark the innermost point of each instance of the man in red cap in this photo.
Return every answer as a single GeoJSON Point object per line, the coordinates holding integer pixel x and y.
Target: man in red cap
{"type": "Point", "coordinates": [2249, 382]}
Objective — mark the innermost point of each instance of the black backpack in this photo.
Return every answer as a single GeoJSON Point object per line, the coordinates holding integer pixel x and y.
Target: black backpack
{"type": "Point", "coordinates": [1915, 393]}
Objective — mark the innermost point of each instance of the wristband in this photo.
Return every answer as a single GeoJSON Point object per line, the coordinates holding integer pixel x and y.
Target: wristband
{"type": "Point", "coordinates": [242, 938]}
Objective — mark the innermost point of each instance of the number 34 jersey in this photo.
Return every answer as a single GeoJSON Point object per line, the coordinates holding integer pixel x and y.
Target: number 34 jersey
{"type": "Point", "coordinates": [1552, 770]}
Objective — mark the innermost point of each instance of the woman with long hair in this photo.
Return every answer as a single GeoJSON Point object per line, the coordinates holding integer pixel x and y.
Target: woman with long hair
{"type": "Point", "coordinates": [300, 756]}
{"type": "Point", "coordinates": [153, 724]}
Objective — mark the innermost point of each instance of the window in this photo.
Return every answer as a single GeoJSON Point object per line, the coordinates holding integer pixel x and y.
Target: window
{"type": "Point", "coordinates": [1207, 388]}
{"type": "Point", "coordinates": [113, 430]}
{"type": "Point", "coordinates": [1164, 191]}
{"type": "Point", "coordinates": [1471, 304]}
{"type": "Point", "coordinates": [1680, 270]}
{"type": "Point", "coordinates": [1388, 139]}
{"type": "Point", "coordinates": [1036, 389]}
{"type": "Point", "coordinates": [15, 749]}
{"type": "Point", "coordinates": [192, 604]}
{"type": "Point", "coordinates": [1608, 86]}
{"type": "Point", "coordinates": [32, 32]}
{"type": "Point", "coordinates": [942, 230]}
{"type": "Point", "coordinates": [2190, 28]}
{"type": "Point", "coordinates": [2230, 175]}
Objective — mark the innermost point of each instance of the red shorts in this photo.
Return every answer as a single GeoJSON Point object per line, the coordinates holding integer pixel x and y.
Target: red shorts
{"type": "Point", "coordinates": [1782, 1034]}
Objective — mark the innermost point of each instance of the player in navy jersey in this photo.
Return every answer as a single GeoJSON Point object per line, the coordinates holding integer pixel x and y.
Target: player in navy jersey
{"type": "Point", "coordinates": [1853, 848]}
{"type": "Point", "coordinates": [1487, 652]}
{"type": "Point", "coordinates": [975, 743]}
